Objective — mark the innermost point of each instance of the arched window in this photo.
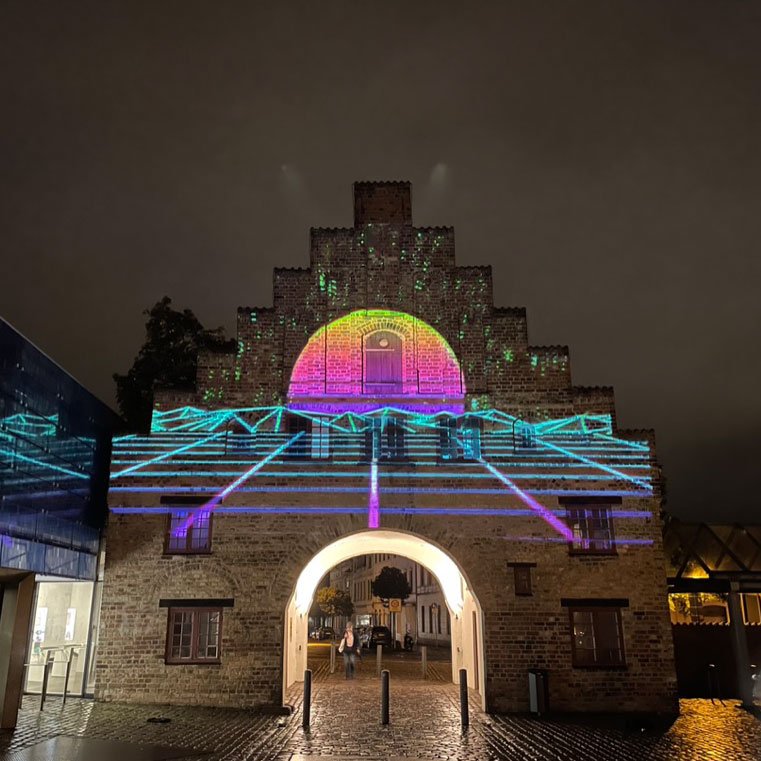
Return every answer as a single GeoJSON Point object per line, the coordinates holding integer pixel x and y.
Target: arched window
{"type": "Point", "coordinates": [383, 363]}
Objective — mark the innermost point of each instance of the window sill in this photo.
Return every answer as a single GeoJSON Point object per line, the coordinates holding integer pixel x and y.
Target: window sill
{"type": "Point", "coordinates": [593, 553]}
{"type": "Point", "coordinates": [173, 554]}
{"type": "Point", "coordinates": [193, 663]}
{"type": "Point", "coordinates": [600, 667]}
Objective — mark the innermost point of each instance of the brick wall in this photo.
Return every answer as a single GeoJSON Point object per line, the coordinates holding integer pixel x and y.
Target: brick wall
{"type": "Point", "coordinates": [256, 561]}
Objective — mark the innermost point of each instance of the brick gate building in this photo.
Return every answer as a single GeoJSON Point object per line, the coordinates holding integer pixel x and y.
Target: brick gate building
{"type": "Point", "coordinates": [384, 404]}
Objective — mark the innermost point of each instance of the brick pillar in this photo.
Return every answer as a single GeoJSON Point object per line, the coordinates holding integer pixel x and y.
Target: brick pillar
{"type": "Point", "coordinates": [382, 203]}
{"type": "Point", "coordinates": [14, 632]}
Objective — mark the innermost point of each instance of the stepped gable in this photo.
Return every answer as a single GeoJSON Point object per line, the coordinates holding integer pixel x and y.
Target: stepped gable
{"type": "Point", "coordinates": [383, 262]}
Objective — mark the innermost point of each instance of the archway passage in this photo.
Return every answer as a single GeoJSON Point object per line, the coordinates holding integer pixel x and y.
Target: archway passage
{"type": "Point", "coordinates": [462, 604]}
{"type": "Point", "coordinates": [375, 358]}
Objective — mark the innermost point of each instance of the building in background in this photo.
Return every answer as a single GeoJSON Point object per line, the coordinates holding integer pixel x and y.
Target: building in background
{"type": "Point", "coordinates": [55, 440]}
{"type": "Point", "coordinates": [714, 580]}
{"type": "Point", "coordinates": [424, 613]}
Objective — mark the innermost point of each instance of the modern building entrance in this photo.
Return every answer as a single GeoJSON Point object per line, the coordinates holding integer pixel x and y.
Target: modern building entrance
{"type": "Point", "coordinates": [462, 604]}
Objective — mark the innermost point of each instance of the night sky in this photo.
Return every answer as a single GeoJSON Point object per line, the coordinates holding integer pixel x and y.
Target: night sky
{"type": "Point", "coordinates": [604, 158]}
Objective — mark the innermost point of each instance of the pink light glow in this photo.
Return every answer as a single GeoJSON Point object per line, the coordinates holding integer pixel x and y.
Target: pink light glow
{"type": "Point", "coordinates": [362, 407]}
{"type": "Point", "coordinates": [373, 504]}
{"type": "Point", "coordinates": [334, 365]}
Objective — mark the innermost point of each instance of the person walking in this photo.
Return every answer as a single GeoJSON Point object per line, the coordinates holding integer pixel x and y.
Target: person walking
{"type": "Point", "coordinates": [350, 647]}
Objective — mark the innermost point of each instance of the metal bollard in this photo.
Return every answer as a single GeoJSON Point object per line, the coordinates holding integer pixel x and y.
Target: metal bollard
{"type": "Point", "coordinates": [464, 717]}
{"type": "Point", "coordinates": [45, 676]}
{"type": "Point", "coordinates": [378, 658]}
{"type": "Point", "coordinates": [384, 695]}
{"type": "Point", "coordinates": [332, 658]}
{"type": "Point", "coordinates": [307, 707]}
{"type": "Point", "coordinates": [424, 660]}
{"type": "Point", "coordinates": [714, 683]}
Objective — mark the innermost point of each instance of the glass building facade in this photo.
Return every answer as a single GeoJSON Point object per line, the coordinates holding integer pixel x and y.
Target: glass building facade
{"type": "Point", "coordinates": [55, 447]}
{"type": "Point", "coordinates": [55, 440]}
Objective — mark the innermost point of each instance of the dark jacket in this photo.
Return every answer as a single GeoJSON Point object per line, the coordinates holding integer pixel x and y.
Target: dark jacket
{"type": "Point", "coordinates": [356, 647]}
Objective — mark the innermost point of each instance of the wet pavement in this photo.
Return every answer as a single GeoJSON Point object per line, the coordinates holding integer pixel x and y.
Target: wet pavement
{"type": "Point", "coordinates": [425, 724]}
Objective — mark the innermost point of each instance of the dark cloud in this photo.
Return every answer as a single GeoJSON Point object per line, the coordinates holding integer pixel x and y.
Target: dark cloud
{"type": "Point", "coordinates": [602, 156]}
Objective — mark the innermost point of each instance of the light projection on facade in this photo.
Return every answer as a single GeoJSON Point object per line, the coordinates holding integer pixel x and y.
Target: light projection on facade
{"type": "Point", "coordinates": [377, 354]}
{"type": "Point", "coordinates": [389, 462]}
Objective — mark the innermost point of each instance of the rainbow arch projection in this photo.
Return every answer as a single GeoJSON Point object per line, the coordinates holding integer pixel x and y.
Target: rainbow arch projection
{"type": "Point", "coordinates": [374, 358]}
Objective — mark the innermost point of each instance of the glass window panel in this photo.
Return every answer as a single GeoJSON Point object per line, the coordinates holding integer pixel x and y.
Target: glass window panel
{"type": "Point", "coordinates": [178, 533]}
{"type": "Point", "coordinates": [752, 605]}
{"type": "Point", "coordinates": [607, 641]}
{"type": "Point", "coordinates": [597, 637]}
{"type": "Point", "coordinates": [200, 535]}
{"type": "Point", "coordinates": [471, 443]}
{"type": "Point", "coordinates": [182, 631]}
{"type": "Point", "coordinates": [591, 529]}
{"type": "Point", "coordinates": [320, 440]}
{"type": "Point", "coordinates": [448, 439]}
{"type": "Point", "coordinates": [61, 627]}
{"type": "Point", "coordinates": [194, 635]}
{"type": "Point", "coordinates": [189, 531]}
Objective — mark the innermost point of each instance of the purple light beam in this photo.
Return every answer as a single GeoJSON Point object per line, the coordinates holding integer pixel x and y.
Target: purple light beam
{"type": "Point", "coordinates": [545, 514]}
{"type": "Point", "coordinates": [215, 500]}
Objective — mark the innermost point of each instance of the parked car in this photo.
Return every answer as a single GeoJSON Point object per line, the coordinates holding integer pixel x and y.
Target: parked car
{"type": "Point", "coordinates": [381, 635]}
{"type": "Point", "coordinates": [324, 632]}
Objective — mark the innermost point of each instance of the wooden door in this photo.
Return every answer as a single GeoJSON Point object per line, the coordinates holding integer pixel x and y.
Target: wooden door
{"type": "Point", "coordinates": [383, 363]}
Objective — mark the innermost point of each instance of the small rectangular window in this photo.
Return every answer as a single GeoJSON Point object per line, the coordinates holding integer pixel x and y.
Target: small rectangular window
{"type": "Point", "coordinates": [194, 635]}
{"type": "Point", "coordinates": [524, 436]}
{"type": "Point", "coordinates": [188, 532]}
{"type": "Point", "coordinates": [522, 579]}
{"type": "Point", "coordinates": [448, 440]}
{"type": "Point", "coordinates": [470, 438]}
{"type": "Point", "coordinates": [460, 439]}
{"type": "Point", "coordinates": [592, 530]}
{"type": "Point", "coordinates": [385, 440]}
{"type": "Point", "coordinates": [395, 441]}
{"type": "Point", "coordinates": [320, 440]}
{"type": "Point", "coordinates": [298, 425]}
{"type": "Point", "coordinates": [597, 637]}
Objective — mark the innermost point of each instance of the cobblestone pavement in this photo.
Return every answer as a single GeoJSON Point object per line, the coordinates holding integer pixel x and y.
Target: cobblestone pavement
{"type": "Point", "coordinates": [424, 725]}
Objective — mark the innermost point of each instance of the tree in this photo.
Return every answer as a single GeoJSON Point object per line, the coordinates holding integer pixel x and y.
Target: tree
{"type": "Point", "coordinates": [391, 583]}
{"type": "Point", "coordinates": [168, 358]}
{"type": "Point", "coordinates": [334, 602]}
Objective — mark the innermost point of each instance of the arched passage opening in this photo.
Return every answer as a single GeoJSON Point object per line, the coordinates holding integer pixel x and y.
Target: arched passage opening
{"type": "Point", "coordinates": [462, 603]}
